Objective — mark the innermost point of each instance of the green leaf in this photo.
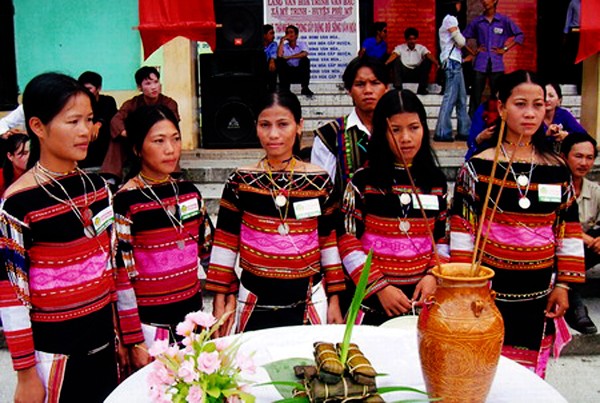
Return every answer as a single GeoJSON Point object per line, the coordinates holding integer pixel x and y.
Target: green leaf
{"type": "Point", "coordinates": [282, 374]}
{"type": "Point", "coordinates": [387, 389]}
{"type": "Point", "coordinates": [359, 295]}
{"type": "Point", "coordinates": [299, 399]}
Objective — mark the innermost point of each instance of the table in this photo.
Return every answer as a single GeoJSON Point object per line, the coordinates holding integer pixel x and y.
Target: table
{"type": "Point", "coordinates": [392, 351]}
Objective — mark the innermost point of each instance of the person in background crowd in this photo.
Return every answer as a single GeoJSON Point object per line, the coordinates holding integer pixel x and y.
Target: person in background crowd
{"type": "Point", "coordinates": [376, 47]}
{"type": "Point", "coordinates": [483, 125]}
{"type": "Point", "coordinates": [411, 62]}
{"type": "Point", "coordinates": [15, 164]}
{"type": "Point", "coordinates": [534, 243]}
{"type": "Point", "coordinates": [148, 82]}
{"type": "Point", "coordinates": [270, 48]}
{"type": "Point", "coordinates": [162, 226]}
{"type": "Point", "coordinates": [105, 108]}
{"type": "Point", "coordinates": [579, 151]}
{"type": "Point", "coordinates": [279, 216]}
{"type": "Point", "coordinates": [12, 121]}
{"type": "Point", "coordinates": [340, 146]}
{"type": "Point", "coordinates": [293, 63]}
{"type": "Point", "coordinates": [59, 303]}
{"type": "Point", "coordinates": [455, 93]}
{"type": "Point", "coordinates": [572, 72]}
{"type": "Point", "coordinates": [382, 213]}
{"type": "Point", "coordinates": [558, 122]}
{"type": "Point", "coordinates": [491, 32]}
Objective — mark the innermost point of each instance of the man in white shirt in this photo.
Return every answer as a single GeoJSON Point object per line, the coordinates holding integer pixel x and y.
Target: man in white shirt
{"type": "Point", "coordinates": [340, 146]}
{"type": "Point", "coordinates": [411, 62]}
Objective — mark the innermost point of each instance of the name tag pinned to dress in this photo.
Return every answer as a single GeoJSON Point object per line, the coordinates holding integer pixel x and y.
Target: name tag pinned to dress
{"type": "Point", "coordinates": [549, 193]}
{"type": "Point", "coordinates": [103, 219]}
{"type": "Point", "coordinates": [498, 30]}
{"type": "Point", "coordinates": [429, 202]}
{"type": "Point", "coordinates": [188, 208]}
{"type": "Point", "coordinates": [307, 208]}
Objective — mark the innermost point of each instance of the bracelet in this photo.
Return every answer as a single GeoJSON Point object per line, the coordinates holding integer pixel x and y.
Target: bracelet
{"type": "Point", "coordinates": [563, 286]}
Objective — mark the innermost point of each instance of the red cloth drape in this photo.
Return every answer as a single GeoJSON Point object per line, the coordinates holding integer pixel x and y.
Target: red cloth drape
{"type": "Point", "coordinates": [163, 20]}
{"type": "Point", "coordinates": [589, 35]}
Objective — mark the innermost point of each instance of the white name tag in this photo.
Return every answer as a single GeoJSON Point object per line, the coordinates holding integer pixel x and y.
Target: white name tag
{"type": "Point", "coordinates": [498, 30]}
{"type": "Point", "coordinates": [188, 208]}
{"type": "Point", "coordinates": [307, 208]}
{"type": "Point", "coordinates": [103, 219]}
{"type": "Point", "coordinates": [549, 193]}
{"type": "Point", "coordinates": [429, 202]}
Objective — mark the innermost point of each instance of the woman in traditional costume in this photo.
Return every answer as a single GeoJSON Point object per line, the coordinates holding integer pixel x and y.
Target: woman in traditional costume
{"type": "Point", "coordinates": [58, 293]}
{"type": "Point", "coordinates": [162, 226]}
{"type": "Point", "coordinates": [382, 212]}
{"type": "Point", "coordinates": [534, 241]}
{"type": "Point", "coordinates": [278, 215]}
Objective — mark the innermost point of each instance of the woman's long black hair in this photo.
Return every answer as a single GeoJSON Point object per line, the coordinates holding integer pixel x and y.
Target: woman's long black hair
{"type": "Point", "coordinates": [381, 158]}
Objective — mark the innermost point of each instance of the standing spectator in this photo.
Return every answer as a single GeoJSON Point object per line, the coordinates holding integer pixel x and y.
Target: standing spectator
{"type": "Point", "coordinates": [105, 108]}
{"type": "Point", "coordinates": [340, 147]}
{"type": "Point", "coordinates": [411, 62]}
{"type": "Point", "coordinates": [376, 46]}
{"type": "Point", "coordinates": [270, 48]}
{"type": "Point", "coordinates": [293, 62]}
{"type": "Point", "coordinates": [534, 243]}
{"type": "Point", "coordinates": [572, 72]}
{"type": "Point", "coordinates": [579, 150]}
{"type": "Point", "coordinates": [455, 93]}
{"type": "Point", "coordinates": [491, 32]}
{"type": "Point", "coordinates": [148, 82]}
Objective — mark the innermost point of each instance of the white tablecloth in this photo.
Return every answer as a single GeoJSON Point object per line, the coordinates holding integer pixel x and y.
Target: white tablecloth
{"type": "Point", "coordinates": [392, 351]}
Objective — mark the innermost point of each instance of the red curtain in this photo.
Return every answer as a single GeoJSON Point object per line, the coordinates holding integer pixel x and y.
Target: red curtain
{"type": "Point", "coordinates": [589, 36]}
{"type": "Point", "coordinates": [163, 20]}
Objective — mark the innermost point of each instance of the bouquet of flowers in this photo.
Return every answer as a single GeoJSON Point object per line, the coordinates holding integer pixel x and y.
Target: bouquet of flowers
{"type": "Point", "coordinates": [202, 369]}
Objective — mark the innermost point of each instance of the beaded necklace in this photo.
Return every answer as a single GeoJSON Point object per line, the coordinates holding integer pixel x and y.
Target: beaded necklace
{"type": "Point", "coordinates": [281, 195]}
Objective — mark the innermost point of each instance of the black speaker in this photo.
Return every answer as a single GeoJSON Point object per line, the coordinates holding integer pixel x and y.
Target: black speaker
{"type": "Point", "coordinates": [229, 105]}
{"type": "Point", "coordinates": [239, 24]}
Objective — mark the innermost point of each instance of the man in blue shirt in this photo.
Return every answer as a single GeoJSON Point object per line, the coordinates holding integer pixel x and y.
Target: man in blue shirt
{"type": "Point", "coordinates": [491, 32]}
{"type": "Point", "coordinates": [292, 61]}
{"type": "Point", "coordinates": [376, 46]}
{"type": "Point", "coordinates": [270, 47]}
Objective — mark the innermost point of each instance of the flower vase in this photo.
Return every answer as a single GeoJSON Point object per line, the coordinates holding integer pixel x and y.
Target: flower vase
{"type": "Point", "coordinates": [460, 333]}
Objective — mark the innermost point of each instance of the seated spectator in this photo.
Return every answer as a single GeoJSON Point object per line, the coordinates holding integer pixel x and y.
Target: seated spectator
{"type": "Point", "coordinates": [147, 80]}
{"type": "Point", "coordinates": [579, 150]}
{"type": "Point", "coordinates": [293, 65]}
{"type": "Point", "coordinates": [558, 122]}
{"type": "Point", "coordinates": [411, 62]}
{"type": "Point", "coordinates": [270, 47]}
{"type": "Point", "coordinates": [105, 108]}
{"type": "Point", "coordinates": [376, 46]}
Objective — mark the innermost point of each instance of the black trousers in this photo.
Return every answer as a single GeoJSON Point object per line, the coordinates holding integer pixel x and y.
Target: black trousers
{"type": "Point", "coordinates": [290, 74]}
{"type": "Point", "coordinates": [479, 81]}
{"type": "Point", "coordinates": [420, 74]}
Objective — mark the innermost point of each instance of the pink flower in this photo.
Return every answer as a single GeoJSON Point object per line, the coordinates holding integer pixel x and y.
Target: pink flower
{"type": "Point", "coordinates": [206, 320]}
{"type": "Point", "coordinates": [185, 328]}
{"type": "Point", "coordinates": [160, 375]}
{"type": "Point", "coordinates": [234, 399]}
{"type": "Point", "coordinates": [222, 344]}
{"type": "Point", "coordinates": [245, 363]}
{"type": "Point", "coordinates": [187, 372]}
{"type": "Point", "coordinates": [195, 395]}
{"type": "Point", "coordinates": [209, 362]}
{"type": "Point", "coordinates": [158, 347]}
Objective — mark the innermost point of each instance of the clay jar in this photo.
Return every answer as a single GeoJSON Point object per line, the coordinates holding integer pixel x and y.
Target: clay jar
{"type": "Point", "coordinates": [460, 333]}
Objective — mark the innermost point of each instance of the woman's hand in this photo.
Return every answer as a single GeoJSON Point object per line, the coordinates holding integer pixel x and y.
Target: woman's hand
{"type": "Point", "coordinates": [558, 303]}
{"type": "Point", "coordinates": [123, 360]}
{"type": "Point", "coordinates": [556, 131]}
{"type": "Point", "coordinates": [485, 134]}
{"type": "Point", "coordinates": [223, 304]}
{"type": "Point", "coordinates": [30, 388]}
{"type": "Point", "coordinates": [139, 356]}
{"type": "Point", "coordinates": [394, 301]}
{"type": "Point", "coordinates": [334, 313]}
{"type": "Point", "coordinates": [424, 289]}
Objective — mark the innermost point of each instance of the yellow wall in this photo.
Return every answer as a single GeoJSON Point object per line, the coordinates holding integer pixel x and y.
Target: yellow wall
{"type": "Point", "coordinates": [590, 95]}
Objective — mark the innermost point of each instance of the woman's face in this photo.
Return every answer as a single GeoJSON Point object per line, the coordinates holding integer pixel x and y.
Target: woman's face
{"type": "Point", "coordinates": [65, 138]}
{"type": "Point", "coordinates": [405, 135]}
{"type": "Point", "coordinates": [277, 131]}
{"type": "Point", "coordinates": [581, 159]}
{"type": "Point", "coordinates": [524, 109]}
{"type": "Point", "coordinates": [552, 99]}
{"type": "Point", "coordinates": [19, 158]}
{"type": "Point", "coordinates": [161, 150]}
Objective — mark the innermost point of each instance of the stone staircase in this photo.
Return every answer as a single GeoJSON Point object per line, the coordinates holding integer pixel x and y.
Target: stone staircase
{"type": "Point", "coordinates": [209, 169]}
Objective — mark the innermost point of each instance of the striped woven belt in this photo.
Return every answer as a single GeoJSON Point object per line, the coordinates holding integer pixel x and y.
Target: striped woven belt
{"type": "Point", "coordinates": [505, 297]}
